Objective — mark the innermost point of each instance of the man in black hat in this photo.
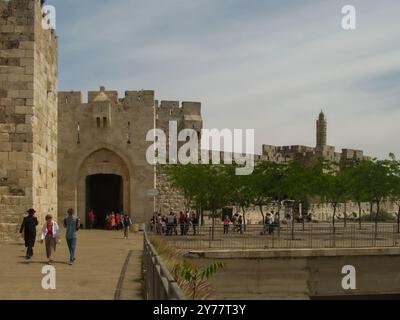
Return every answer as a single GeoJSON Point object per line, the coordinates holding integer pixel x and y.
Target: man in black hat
{"type": "Point", "coordinates": [29, 228]}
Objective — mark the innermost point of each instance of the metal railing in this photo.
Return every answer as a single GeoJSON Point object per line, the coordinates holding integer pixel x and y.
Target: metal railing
{"type": "Point", "coordinates": [159, 283]}
{"type": "Point", "coordinates": [285, 236]}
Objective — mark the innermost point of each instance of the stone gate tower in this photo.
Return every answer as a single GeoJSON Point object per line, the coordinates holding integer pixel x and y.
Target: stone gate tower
{"type": "Point", "coordinates": [28, 114]}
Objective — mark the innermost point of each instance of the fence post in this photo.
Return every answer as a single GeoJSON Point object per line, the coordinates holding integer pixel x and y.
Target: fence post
{"type": "Point", "coordinates": [273, 240]}
{"type": "Point", "coordinates": [209, 237]}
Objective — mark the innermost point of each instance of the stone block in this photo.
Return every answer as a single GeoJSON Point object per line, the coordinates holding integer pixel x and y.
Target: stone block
{"type": "Point", "coordinates": [23, 128]}
{"type": "Point", "coordinates": [4, 137]}
{"type": "Point", "coordinates": [7, 128]}
{"type": "Point", "coordinates": [5, 146]}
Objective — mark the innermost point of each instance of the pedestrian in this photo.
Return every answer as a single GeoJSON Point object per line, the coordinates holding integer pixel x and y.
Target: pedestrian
{"type": "Point", "coordinates": [170, 223]}
{"type": "Point", "coordinates": [72, 224]}
{"type": "Point", "coordinates": [163, 225]}
{"type": "Point", "coordinates": [195, 223]}
{"type": "Point", "coordinates": [270, 222]}
{"type": "Point", "coordinates": [126, 223]}
{"type": "Point", "coordinates": [107, 221]}
{"type": "Point", "coordinates": [91, 219]}
{"type": "Point", "coordinates": [112, 221]}
{"type": "Point", "coordinates": [118, 221]}
{"type": "Point", "coordinates": [187, 222]}
{"type": "Point", "coordinates": [175, 226]}
{"type": "Point", "coordinates": [159, 224]}
{"type": "Point", "coordinates": [28, 227]}
{"type": "Point", "coordinates": [239, 224]}
{"type": "Point", "coordinates": [182, 222]}
{"type": "Point", "coordinates": [277, 221]}
{"type": "Point", "coordinates": [227, 221]}
{"type": "Point", "coordinates": [50, 235]}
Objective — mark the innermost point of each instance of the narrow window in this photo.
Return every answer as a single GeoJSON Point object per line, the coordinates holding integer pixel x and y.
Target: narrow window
{"type": "Point", "coordinates": [104, 122]}
{"type": "Point", "coordinates": [98, 121]}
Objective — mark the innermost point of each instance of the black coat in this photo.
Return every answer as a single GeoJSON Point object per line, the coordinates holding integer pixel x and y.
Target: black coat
{"type": "Point", "coordinates": [28, 227]}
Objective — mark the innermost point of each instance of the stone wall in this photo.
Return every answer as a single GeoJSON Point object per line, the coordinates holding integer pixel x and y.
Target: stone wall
{"type": "Point", "coordinates": [118, 126]}
{"type": "Point", "coordinates": [44, 121]}
{"type": "Point", "coordinates": [169, 198]}
{"type": "Point", "coordinates": [28, 59]}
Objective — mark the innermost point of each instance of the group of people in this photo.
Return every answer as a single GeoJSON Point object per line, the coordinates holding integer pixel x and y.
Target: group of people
{"type": "Point", "coordinates": [168, 225]}
{"type": "Point", "coordinates": [50, 234]}
{"type": "Point", "coordinates": [173, 224]}
{"type": "Point", "coordinates": [236, 221]}
{"type": "Point", "coordinates": [272, 222]}
{"type": "Point", "coordinates": [114, 221]}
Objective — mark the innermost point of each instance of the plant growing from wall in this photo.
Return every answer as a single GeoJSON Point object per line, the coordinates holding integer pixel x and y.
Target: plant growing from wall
{"type": "Point", "coordinates": [195, 277]}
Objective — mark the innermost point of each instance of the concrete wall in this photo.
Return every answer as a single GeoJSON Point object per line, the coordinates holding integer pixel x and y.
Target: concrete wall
{"type": "Point", "coordinates": [302, 274]}
{"type": "Point", "coordinates": [28, 110]}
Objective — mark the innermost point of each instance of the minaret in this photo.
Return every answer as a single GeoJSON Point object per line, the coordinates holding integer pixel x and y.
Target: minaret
{"type": "Point", "coordinates": [322, 126]}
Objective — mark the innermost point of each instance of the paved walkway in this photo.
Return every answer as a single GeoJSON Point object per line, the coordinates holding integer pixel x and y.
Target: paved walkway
{"type": "Point", "coordinates": [97, 273]}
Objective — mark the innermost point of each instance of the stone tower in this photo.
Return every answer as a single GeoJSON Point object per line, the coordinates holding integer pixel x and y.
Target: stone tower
{"type": "Point", "coordinates": [28, 114]}
{"type": "Point", "coordinates": [322, 127]}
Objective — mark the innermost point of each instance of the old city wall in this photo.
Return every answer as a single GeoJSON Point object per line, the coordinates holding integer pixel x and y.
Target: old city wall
{"type": "Point", "coordinates": [28, 113]}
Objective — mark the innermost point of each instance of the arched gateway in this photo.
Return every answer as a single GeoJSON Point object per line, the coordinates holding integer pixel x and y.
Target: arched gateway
{"type": "Point", "coordinates": [103, 185]}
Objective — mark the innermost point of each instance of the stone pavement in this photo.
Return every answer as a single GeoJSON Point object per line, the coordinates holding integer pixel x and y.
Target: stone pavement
{"type": "Point", "coordinates": [101, 257]}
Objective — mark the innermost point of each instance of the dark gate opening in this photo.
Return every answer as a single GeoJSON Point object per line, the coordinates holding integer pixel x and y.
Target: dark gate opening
{"type": "Point", "coordinates": [104, 194]}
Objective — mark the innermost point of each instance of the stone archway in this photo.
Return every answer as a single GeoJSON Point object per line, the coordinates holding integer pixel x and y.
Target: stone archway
{"type": "Point", "coordinates": [107, 163]}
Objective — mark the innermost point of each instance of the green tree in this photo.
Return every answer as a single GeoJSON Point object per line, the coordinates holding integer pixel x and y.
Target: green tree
{"type": "Point", "coordinates": [395, 186]}
{"type": "Point", "coordinates": [297, 182]}
{"type": "Point", "coordinates": [334, 186]}
{"type": "Point", "coordinates": [379, 176]}
{"type": "Point", "coordinates": [357, 184]}
{"type": "Point", "coordinates": [240, 189]}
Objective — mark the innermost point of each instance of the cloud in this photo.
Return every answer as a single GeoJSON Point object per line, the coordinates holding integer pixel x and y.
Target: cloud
{"type": "Point", "coordinates": [267, 65]}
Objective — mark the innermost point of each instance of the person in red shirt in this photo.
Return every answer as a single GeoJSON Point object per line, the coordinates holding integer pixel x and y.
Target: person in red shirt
{"type": "Point", "coordinates": [227, 222]}
{"type": "Point", "coordinates": [182, 223]}
{"type": "Point", "coordinates": [91, 219]}
{"type": "Point", "coordinates": [50, 235]}
{"type": "Point", "coordinates": [118, 220]}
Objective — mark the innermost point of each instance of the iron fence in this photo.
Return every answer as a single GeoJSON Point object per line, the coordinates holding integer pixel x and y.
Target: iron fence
{"type": "Point", "coordinates": [286, 236]}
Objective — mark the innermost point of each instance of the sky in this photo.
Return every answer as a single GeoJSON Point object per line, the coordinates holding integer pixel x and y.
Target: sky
{"type": "Point", "coordinates": [268, 65]}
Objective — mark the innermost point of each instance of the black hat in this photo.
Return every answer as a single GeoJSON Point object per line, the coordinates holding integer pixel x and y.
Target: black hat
{"type": "Point", "coordinates": [31, 211]}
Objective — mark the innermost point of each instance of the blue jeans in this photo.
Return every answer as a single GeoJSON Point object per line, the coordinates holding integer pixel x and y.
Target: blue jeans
{"type": "Point", "coordinates": [72, 246]}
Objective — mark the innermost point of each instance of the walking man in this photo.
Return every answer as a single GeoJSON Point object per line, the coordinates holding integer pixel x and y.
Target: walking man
{"type": "Point", "coordinates": [72, 224]}
{"type": "Point", "coordinates": [28, 227]}
{"type": "Point", "coordinates": [126, 223]}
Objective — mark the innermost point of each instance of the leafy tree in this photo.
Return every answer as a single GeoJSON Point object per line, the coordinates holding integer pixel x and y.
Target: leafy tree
{"type": "Point", "coordinates": [378, 176]}
{"type": "Point", "coordinates": [357, 184]}
{"type": "Point", "coordinates": [297, 183]}
{"type": "Point", "coordinates": [395, 186]}
{"type": "Point", "coordinates": [241, 191]}
{"type": "Point", "coordinates": [333, 186]}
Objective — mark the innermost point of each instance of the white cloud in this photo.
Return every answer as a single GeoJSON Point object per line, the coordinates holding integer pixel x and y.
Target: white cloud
{"type": "Point", "coordinates": [268, 65]}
